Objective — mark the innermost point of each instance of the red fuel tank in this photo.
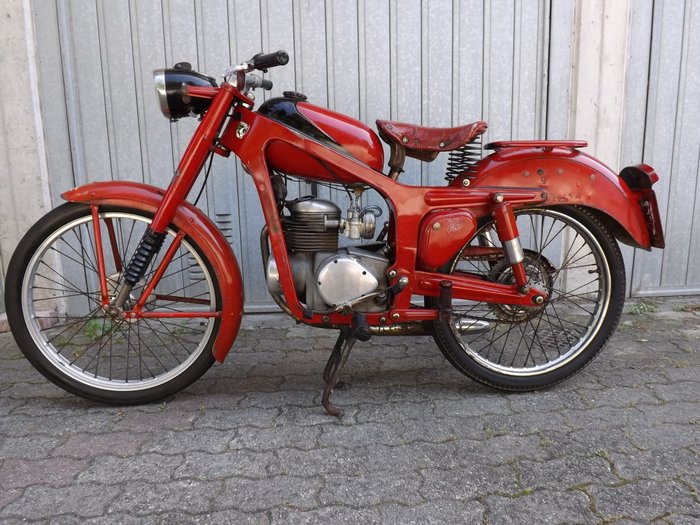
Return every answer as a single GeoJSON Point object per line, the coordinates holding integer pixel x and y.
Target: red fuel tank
{"type": "Point", "coordinates": [332, 129]}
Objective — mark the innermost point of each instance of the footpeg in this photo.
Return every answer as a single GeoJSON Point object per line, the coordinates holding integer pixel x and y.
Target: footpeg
{"type": "Point", "coordinates": [360, 327]}
{"type": "Point", "coordinates": [445, 300]}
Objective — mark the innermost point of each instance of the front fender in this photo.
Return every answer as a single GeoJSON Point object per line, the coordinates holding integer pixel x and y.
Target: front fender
{"type": "Point", "coordinates": [569, 177]}
{"type": "Point", "coordinates": [196, 225]}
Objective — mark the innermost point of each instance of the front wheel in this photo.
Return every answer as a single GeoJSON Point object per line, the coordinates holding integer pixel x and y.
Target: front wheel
{"type": "Point", "coordinates": [54, 305]}
{"type": "Point", "coordinates": [570, 255]}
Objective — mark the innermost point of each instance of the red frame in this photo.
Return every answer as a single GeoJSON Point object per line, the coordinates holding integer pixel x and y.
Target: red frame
{"type": "Point", "coordinates": [500, 188]}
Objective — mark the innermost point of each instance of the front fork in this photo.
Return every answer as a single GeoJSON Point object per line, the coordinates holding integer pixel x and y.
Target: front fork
{"type": "Point", "coordinates": [200, 147]}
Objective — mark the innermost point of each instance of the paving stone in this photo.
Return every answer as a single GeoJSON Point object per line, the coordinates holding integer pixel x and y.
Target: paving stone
{"type": "Point", "coordinates": [146, 499]}
{"type": "Point", "coordinates": [91, 445]}
{"type": "Point", "coordinates": [587, 442]}
{"type": "Point", "coordinates": [57, 424]}
{"type": "Point", "coordinates": [566, 472]}
{"type": "Point", "coordinates": [548, 401]}
{"type": "Point", "coordinates": [326, 515]}
{"type": "Point", "coordinates": [389, 412]}
{"type": "Point", "coordinates": [644, 500]}
{"type": "Point", "coordinates": [420, 443]}
{"type": "Point", "coordinates": [136, 420]}
{"type": "Point", "coordinates": [110, 519]}
{"type": "Point", "coordinates": [437, 512]}
{"type": "Point", "coordinates": [357, 435]}
{"type": "Point", "coordinates": [277, 437]}
{"type": "Point", "coordinates": [57, 472]}
{"type": "Point", "coordinates": [525, 423]}
{"type": "Point", "coordinates": [255, 495]}
{"type": "Point", "coordinates": [8, 495]}
{"type": "Point", "coordinates": [656, 464]}
{"type": "Point", "coordinates": [28, 446]}
{"type": "Point", "coordinates": [274, 400]}
{"type": "Point", "coordinates": [475, 405]}
{"type": "Point", "coordinates": [603, 417]}
{"type": "Point", "coordinates": [468, 481]}
{"type": "Point", "coordinates": [320, 461]}
{"type": "Point", "coordinates": [674, 413]}
{"type": "Point", "coordinates": [227, 419]}
{"type": "Point", "coordinates": [678, 391]}
{"type": "Point", "coordinates": [549, 507]}
{"type": "Point", "coordinates": [242, 463]}
{"type": "Point", "coordinates": [621, 396]}
{"type": "Point", "coordinates": [222, 517]}
{"type": "Point", "coordinates": [371, 489]}
{"type": "Point", "coordinates": [313, 416]}
{"type": "Point", "coordinates": [171, 442]}
{"type": "Point", "coordinates": [500, 449]}
{"type": "Point", "coordinates": [412, 456]}
{"type": "Point", "coordinates": [41, 501]}
{"type": "Point", "coordinates": [664, 436]}
{"type": "Point", "coordinates": [683, 519]}
{"type": "Point", "coordinates": [110, 470]}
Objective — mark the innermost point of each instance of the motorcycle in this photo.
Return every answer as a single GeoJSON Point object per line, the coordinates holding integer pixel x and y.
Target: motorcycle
{"type": "Point", "coordinates": [128, 293]}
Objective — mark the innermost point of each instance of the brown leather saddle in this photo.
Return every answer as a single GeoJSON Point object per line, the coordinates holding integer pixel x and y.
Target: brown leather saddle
{"type": "Point", "coordinates": [422, 142]}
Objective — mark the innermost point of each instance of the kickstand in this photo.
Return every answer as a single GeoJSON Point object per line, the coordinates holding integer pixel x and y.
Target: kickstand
{"type": "Point", "coordinates": [335, 364]}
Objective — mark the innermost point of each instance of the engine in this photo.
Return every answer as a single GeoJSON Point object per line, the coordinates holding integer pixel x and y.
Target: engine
{"type": "Point", "coordinates": [326, 276]}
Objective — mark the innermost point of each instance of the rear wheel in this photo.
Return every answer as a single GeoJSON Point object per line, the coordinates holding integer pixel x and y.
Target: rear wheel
{"type": "Point", "coordinates": [570, 255]}
{"type": "Point", "coordinates": [53, 300]}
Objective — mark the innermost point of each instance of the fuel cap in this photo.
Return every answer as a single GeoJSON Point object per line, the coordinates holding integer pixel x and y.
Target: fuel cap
{"type": "Point", "coordinates": [294, 95]}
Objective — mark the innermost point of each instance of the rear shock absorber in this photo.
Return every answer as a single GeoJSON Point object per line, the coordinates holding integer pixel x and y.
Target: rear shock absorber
{"type": "Point", "coordinates": [510, 239]}
{"type": "Point", "coordinates": [147, 249]}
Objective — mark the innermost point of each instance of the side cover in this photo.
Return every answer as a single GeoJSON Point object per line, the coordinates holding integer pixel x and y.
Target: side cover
{"type": "Point", "coordinates": [569, 176]}
{"type": "Point", "coordinates": [197, 226]}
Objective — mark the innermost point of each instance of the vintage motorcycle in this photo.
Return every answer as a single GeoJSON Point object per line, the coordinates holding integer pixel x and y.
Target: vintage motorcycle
{"type": "Point", "coordinates": [128, 293]}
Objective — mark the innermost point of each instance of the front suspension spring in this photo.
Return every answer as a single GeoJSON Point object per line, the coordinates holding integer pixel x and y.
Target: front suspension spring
{"type": "Point", "coordinates": [147, 249]}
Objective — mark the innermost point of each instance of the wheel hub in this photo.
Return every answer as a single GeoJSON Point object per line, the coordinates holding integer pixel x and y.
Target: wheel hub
{"type": "Point", "coordinates": [540, 273]}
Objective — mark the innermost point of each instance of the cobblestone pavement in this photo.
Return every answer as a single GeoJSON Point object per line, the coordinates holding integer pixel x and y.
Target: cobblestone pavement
{"type": "Point", "coordinates": [249, 442]}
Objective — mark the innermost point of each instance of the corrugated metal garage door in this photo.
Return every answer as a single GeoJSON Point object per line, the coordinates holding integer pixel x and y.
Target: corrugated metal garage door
{"type": "Point", "coordinates": [662, 126]}
{"type": "Point", "coordinates": [435, 62]}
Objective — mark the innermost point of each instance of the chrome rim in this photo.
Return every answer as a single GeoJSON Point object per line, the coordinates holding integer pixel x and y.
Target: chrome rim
{"type": "Point", "coordinates": [564, 258]}
{"type": "Point", "coordinates": [62, 310]}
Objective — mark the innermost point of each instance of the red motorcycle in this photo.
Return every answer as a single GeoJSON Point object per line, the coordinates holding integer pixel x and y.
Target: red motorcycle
{"type": "Point", "coordinates": [128, 293]}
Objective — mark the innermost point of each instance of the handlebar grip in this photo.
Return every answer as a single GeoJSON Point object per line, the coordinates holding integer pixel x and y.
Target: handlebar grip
{"type": "Point", "coordinates": [264, 61]}
{"type": "Point", "coordinates": [255, 81]}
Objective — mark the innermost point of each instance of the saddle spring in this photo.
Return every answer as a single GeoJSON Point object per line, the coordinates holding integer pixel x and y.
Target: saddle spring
{"type": "Point", "coordinates": [462, 161]}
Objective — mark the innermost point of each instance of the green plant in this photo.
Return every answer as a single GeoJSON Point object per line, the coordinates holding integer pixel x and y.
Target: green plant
{"type": "Point", "coordinates": [687, 308]}
{"type": "Point", "coordinates": [641, 307]}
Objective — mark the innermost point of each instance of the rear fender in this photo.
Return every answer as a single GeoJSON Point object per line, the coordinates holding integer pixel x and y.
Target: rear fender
{"type": "Point", "coordinates": [569, 177]}
{"type": "Point", "coordinates": [196, 225]}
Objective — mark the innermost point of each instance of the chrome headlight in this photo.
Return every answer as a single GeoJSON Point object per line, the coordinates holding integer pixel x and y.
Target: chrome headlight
{"type": "Point", "coordinates": [171, 87]}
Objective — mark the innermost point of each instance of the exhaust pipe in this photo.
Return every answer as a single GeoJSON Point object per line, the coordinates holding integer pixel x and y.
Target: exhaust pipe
{"type": "Point", "coordinates": [464, 325]}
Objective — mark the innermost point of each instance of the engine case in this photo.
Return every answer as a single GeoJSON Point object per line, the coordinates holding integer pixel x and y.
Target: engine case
{"type": "Point", "coordinates": [325, 280]}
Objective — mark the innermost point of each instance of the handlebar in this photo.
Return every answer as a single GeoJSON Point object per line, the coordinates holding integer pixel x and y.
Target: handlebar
{"type": "Point", "coordinates": [263, 61]}
{"type": "Point", "coordinates": [254, 81]}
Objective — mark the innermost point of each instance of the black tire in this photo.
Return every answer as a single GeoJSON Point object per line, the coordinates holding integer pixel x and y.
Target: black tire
{"type": "Point", "coordinates": [558, 339]}
{"type": "Point", "coordinates": [158, 362]}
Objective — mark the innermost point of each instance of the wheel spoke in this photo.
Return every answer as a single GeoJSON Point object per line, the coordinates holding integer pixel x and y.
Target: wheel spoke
{"type": "Point", "coordinates": [538, 339]}
{"type": "Point", "coordinates": [101, 350]}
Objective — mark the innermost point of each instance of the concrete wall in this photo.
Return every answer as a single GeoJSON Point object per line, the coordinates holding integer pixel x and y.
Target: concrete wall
{"type": "Point", "coordinates": [25, 194]}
